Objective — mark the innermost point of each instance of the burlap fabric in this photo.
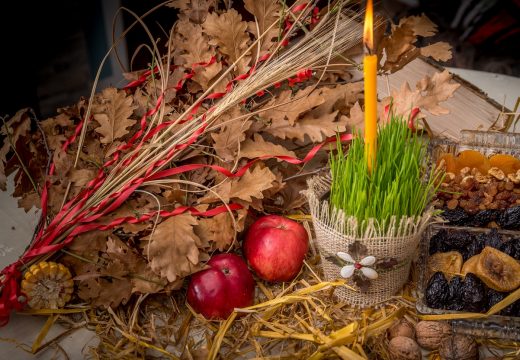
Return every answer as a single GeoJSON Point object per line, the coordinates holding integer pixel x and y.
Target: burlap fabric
{"type": "Point", "coordinates": [335, 232]}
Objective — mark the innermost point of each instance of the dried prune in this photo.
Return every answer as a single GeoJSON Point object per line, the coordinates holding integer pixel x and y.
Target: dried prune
{"type": "Point", "coordinates": [472, 249]}
{"type": "Point", "coordinates": [438, 242]}
{"type": "Point", "coordinates": [492, 239]}
{"type": "Point", "coordinates": [484, 217]}
{"type": "Point", "coordinates": [455, 288]}
{"type": "Point", "coordinates": [458, 240]}
{"type": "Point", "coordinates": [437, 292]}
{"type": "Point", "coordinates": [511, 248]}
{"type": "Point", "coordinates": [473, 294]}
{"type": "Point", "coordinates": [494, 297]}
{"type": "Point", "coordinates": [456, 216]}
{"type": "Point", "coordinates": [510, 218]}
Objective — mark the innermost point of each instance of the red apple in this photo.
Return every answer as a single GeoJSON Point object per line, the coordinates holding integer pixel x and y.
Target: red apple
{"type": "Point", "coordinates": [226, 285]}
{"type": "Point", "coordinates": [275, 248]}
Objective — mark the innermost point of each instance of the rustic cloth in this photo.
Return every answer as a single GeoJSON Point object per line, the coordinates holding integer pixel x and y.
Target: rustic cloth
{"type": "Point", "coordinates": [335, 232]}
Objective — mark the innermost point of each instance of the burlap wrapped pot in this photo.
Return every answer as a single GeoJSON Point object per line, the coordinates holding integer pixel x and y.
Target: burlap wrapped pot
{"type": "Point", "coordinates": [397, 246]}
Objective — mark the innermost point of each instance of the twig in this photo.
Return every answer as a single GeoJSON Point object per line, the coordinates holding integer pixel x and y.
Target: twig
{"type": "Point", "coordinates": [305, 174]}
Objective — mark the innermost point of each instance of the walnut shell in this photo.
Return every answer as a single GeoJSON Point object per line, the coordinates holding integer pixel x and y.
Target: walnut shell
{"type": "Point", "coordinates": [429, 334]}
{"type": "Point", "coordinates": [401, 328]}
{"type": "Point", "coordinates": [458, 347]}
{"type": "Point", "coordinates": [403, 348]}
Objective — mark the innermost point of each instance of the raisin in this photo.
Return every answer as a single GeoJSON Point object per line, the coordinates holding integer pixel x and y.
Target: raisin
{"type": "Point", "coordinates": [452, 204]}
{"type": "Point", "coordinates": [456, 216]}
{"type": "Point", "coordinates": [510, 218]}
{"type": "Point", "coordinates": [494, 297]}
{"type": "Point", "coordinates": [473, 294]}
{"type": "Point", "coordinates": [455, 290]}
{"type": "Point", "coordinates": [484, 217]}
{"type": "Point", "coordinates": [437, 293]}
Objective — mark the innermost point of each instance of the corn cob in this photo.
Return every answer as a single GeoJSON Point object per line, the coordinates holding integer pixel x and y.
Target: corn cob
{"type": "Point", "coordinates": [48, 285]}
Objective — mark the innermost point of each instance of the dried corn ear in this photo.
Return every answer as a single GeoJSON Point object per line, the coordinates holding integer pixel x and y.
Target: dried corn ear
{"type": "Point", "coordinates": [48, 285]}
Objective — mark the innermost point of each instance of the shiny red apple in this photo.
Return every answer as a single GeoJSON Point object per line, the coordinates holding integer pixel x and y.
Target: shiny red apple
{"type": "Point", "coordinates": [275, 248]}
{"type": "Point", "coordinates": [226, 285]}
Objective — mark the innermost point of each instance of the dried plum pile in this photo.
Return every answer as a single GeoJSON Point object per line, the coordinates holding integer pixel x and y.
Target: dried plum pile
{"type": "Point", "coordinates": [465, 294]}
{"type": "Point", "coordinates": [508, 219]}
{"type": "Point", "coordinates": [451, 286]}
{"type": "Point", "coordinates": [469, 244]}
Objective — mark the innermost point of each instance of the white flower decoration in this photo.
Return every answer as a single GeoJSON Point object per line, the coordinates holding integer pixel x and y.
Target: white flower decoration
{"type": "Point", "coordinates": [353, 265]}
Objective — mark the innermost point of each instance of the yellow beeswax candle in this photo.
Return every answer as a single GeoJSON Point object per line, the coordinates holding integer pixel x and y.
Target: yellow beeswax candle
{"type": "Point", "coordinates": [370, 73]}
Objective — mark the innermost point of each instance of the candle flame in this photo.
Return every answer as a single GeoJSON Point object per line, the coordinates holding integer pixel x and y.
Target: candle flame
{"type": "Point", "coordinates": [368, 30]}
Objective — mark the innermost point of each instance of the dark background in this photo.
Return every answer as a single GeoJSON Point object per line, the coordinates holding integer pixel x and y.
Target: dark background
{"type": "Point", "coordinates": [51, 50]}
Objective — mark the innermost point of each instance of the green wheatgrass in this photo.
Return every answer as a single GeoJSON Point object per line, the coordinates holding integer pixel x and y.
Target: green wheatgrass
{"type": "Point", "coordinates": [399, 185]}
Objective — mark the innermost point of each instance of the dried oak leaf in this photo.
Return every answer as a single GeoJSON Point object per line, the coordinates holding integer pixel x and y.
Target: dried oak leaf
{"type": "Point", "coordinates": [247, 190]}
{"type": "Point", "coordinates": [399, 47]}
{"type": "Point", "coordinates": [439, 51]}
{"type": "Point", "coordinates": [251, 185]}
{"type": "Point", "coordinates": [194, 47]}
{"type": "Point", "coordinates": [228, 32]}
{"type": "Point", "coordinates": [312, 118]}
{"type": "Point", "coordinates": [340, 97]}
{"type": "Point", "coordinates": [112, 111]}
{"type": "Point", "coordinates": [429, 93]}
{"type": "Point", "coordinates": [173, 249]}
{"type": "Point", "coordinates": [218, 230]}
{"type": "Point", "coordinates": [317, 129]}
{"type": "Point", "coordinates": [266, 12]}
{"type": "Point", "coordinates": [285, 109]}
{"type": "Point", "coordinates": [110, 292]}
{"type": "Point", "coordinates": [12, 130]}
{"type": "Point", "coordinates": [257, 147]}
{"type": "Point", "coordinates": [194, 10]}
{"type": "Point", "coordinates": [57, 129]}
{"type": "Point", "coordinates": [29, 200]}
{"type": "Point", "coordinates": [356, 118]}
{"type": "Point", "coordinates": [231, 134]}
{"type": "Point", "coordinates": [125, 261]}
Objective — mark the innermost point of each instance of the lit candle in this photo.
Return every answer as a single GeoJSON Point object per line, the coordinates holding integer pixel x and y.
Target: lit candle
{"type": "Point", "coordinates": [370, 73]}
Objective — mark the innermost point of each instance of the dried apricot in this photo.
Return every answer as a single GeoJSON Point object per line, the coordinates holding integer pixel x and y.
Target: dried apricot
{"type": "Point", "coordinates": [450, 163]}
{"type": "Point", "coordinates": [498, 270]}
{"type": "Point", "coordinates": [473, 159]}
{"type": "Point", "coordinates": [507, 163]}
{"type": "Point", "coordinates": [449, 263]}
{"type": "Point", "coordinates": [470, 265]}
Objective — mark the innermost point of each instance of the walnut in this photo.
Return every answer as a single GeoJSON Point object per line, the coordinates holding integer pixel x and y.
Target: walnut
{"type": "Point", "coordinates": [403, 348]}
{"type": "Point", "coordinates": [497, 173]}
{"type": "Point", "coordinates": [482, 179]}
{"type": "Point", "coordinates": [450, 176]}
{"type": "Point", "coordinates": [475, 172]}
{"type": "Point", "coordinates": [515, 177]}
{"type": "Point", "coordinates": [465, 171]}
{"type": "Point", "coordinates": [431, 333]}
{"type": "Point", "coordinates": [458, 347]}
{"type": "Point", "coordinates": [401, 328]}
